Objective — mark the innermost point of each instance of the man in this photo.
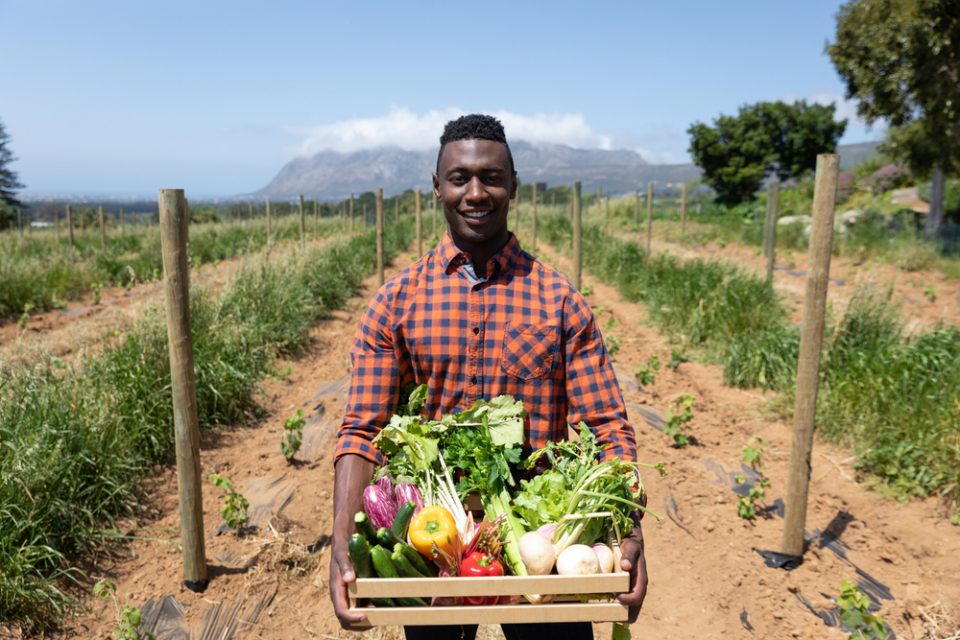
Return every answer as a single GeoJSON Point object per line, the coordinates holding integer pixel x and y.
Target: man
{"type": "Point", "coordinates": [475, 318]}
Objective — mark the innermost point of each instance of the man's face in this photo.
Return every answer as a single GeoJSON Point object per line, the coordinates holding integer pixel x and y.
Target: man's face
{"type": "Point", "coordinates": [474, 183]}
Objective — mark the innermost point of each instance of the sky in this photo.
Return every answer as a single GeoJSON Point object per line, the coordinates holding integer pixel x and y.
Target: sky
{"type": "Point", "coordinates": [123, 98]}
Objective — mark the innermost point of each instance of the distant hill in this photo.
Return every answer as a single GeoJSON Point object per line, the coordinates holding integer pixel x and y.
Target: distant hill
{"type": "Point", "coordinates": [330, 175]}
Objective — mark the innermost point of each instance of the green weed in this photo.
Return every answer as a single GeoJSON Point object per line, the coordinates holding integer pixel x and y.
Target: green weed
{"type": "Point", "coordinates": [747, 506]}
{"type": "Point", "coordinates": [678, 420]}
{"type": "Point", "coordinates": [646, 375]}
{"type": "Point", "coordinates": [292, 435]}
{"type": "Point", "coordinates": [235, 505]}
{"type": "Point", "coordinates": [855, 614]}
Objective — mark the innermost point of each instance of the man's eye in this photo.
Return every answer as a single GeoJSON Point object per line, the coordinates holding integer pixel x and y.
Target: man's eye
{"type": "Point", "coordinates": [458, 180]}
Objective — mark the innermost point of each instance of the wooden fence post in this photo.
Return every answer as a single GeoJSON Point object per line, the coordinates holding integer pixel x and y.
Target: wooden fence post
{"type": "Point", "coordinates": [123, 221]}
{"type": "Point", "coordinates": [266, 205]}
{"type": "Point", "coordinates": [316, 219]}
{"type": "Point", "coordinates": [303, 227]}
{"type": "Point", "coordinates": [351, 213]}
{"type": "Point", "coordinates": [811, 340]}
{"type": "Point", "coordinates": [249, 213]}
{"type": "Point", "coordinates": [636, 210]}
{"type": "Point", "coordinates": [396, 209]}
{"type": "Point", "coordinates": [770, 227]}
{"type": "Point", "coordinates": [73, 246]}
{"type": "Point", "coordinates": [380, 276]}
{"type": "Point", "coordinates": [419, 217]}
{"type": "Point", "coordinates": [683, 211]}
{"type": "Point", "coordinates": [577, 237]}
{"type": "Point", "coordinates": [606, 212]}
{"type": "Point", "coordinates": [20, 223]}
{"type": "Point", "coordinates": [533, 201]}
{"type": "Point", "coordinates": [434, 207]}
{"type": "Point", "coordinates": [649, 216]}
{"type": "Point", "coordinates": [174, 230]}
{"type": "Point", "coordinates": [103, 229]}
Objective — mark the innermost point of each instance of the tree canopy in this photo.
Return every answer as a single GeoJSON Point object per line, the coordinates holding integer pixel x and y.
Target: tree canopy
{"type": "Point", "coordinates": [900, 60]}
{"type": "Point", "coordinates": [738, 152]}
{"type": "Point", "coordinates": [8, 182]}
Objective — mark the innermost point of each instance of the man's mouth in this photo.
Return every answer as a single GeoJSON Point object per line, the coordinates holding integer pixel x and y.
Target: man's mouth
{"type": "Point", "coordinates": [476, 214]}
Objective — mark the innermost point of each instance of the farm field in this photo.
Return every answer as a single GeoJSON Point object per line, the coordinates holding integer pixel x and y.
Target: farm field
{"type": "Point", "coordinates": [706, 581]}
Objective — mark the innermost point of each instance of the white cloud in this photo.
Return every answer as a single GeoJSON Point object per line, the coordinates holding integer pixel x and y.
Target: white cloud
{"type": "Point", "coordinates": [409, 130]}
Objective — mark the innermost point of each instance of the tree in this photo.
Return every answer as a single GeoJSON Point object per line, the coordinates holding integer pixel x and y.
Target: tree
{"type": "Point", "coordinates": [8, 183]}
{"type": "Point", "coordinates": [739, 152]}
{"type": "Point", "coordinates": [900, 60]}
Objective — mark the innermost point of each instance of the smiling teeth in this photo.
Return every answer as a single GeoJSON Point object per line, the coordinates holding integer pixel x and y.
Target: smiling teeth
{"type": "Point", "coordinates": [475, 214]}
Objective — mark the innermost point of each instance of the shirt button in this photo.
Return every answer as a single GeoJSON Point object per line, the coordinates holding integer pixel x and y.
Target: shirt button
{"type": "Point", "coordinates": [476, 330]}
{"type": "Point", "coordinates": [473, 379]}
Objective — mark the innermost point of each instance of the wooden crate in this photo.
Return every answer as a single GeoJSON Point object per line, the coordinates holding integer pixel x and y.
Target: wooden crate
{"type": "Point", "coordinates": [598, 586]}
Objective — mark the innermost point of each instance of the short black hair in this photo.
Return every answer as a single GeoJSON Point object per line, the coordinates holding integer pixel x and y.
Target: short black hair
{"type": "Point", "coordinates": [475, 126]}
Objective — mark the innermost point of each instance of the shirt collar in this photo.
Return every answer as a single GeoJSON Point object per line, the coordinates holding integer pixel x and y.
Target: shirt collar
{"type": "Point", "coordinates": [452, 257]}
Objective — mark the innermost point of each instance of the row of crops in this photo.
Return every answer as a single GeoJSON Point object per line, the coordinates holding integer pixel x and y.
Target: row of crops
{"type": "Point", "coordinates": [41, 272]}
{"type": "Point", "coordinates": [890, 396]}
{"type": "Point", "coordinates": [78, 440]}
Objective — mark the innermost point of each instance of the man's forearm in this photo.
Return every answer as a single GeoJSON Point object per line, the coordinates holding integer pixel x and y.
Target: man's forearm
{"type": "Point", "coordinates": [351, 474]}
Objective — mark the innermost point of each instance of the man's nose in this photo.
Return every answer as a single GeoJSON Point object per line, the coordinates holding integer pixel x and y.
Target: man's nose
{"type": "Point", "coordinates": [475, 190]}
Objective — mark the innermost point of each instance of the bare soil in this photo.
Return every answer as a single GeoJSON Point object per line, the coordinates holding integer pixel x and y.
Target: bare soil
{"type": "Point", "coordinates": [706, 580]}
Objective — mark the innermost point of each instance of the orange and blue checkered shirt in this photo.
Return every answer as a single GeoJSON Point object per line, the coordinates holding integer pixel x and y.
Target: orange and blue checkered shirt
{"type": "Point", "coordinates": [523, 331]}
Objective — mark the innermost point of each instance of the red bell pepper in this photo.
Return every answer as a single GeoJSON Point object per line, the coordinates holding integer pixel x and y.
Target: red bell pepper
{"type": "Point", "coordinates": [480, 564]}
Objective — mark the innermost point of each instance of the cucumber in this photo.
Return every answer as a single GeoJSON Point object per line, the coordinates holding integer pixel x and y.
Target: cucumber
{"type": "Point", "coordinates": [362, 523]}
{"type": "Point", "coordinates": [402, 520]}
{"type": "Point", "coordinates": [404, 567]}
{"type": "Point", "coordinates": [383, 565]}
{"type": "Point", "coordinates": [413, 557]}
{"type": "Point", "coordinates": [359, 551]}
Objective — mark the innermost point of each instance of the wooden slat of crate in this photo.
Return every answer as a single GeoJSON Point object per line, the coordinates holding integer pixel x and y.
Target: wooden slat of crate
{"type": "Point", "coordinates": [618, 582]}
{"type": "Point", "coordinates": [497, 614]}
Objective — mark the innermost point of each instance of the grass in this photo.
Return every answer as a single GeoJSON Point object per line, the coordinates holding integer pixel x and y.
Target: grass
{"type": "Point", "coordinates": [894, 399]}
{"type": "Point", "coordinates": [41, 273]}
{"type": "Point", "coordinates": [77, 441]}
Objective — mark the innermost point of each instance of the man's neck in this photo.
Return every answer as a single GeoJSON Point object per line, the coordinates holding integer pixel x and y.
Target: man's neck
{"type": "Point", "coordinates": [481, 254]}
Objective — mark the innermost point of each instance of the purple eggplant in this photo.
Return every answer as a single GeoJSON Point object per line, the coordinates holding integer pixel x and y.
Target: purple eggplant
{"type": "Point", "coordinates": [386, 485]}
{"type": "Point", "coordinates": [406, 491]}
{"type": "Point", "coordinates": [379, 507]}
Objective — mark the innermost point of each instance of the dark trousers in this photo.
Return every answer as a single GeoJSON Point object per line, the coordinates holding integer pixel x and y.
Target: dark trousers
{"type": "Point", "coordinates": [555, 631]}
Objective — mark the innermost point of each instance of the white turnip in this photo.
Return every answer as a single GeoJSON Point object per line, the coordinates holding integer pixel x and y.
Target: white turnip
{"type": "Point", "coordinates": [537, 553]}
{"type": "Point", "coordinates": [577, 560]}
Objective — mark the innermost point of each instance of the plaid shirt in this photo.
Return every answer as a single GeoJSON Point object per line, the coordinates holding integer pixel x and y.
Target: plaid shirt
{"type": "Point", "coordinates": [524, 331]}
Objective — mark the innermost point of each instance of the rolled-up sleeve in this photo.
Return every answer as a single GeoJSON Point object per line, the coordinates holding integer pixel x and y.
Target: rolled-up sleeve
{"type": "Point", "coordinates": [593, 394]}
{"type": "Point", "coordinates": [375, 382]}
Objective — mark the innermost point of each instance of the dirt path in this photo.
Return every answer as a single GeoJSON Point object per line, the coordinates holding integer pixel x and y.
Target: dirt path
{"type": "Point", "coordinates": [925, 297]}
{"type": "Point", "coordinates": [706, 582]}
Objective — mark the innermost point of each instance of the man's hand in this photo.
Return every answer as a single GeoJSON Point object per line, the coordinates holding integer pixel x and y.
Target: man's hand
{"type": "Point", "coordinates": [352, 473]}
{"type": "Point", "coordinates": [633, 561]}
{"type": "Point", "coordinates": [341, 573]}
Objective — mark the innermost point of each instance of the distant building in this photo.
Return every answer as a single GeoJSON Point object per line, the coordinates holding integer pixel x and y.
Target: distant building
{"type": "Point", "coordinates": [41, 224]}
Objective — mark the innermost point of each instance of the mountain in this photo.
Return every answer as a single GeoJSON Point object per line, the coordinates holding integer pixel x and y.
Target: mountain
{"type": "Point", "coordinates": [330, 175]}
{"type": "Point", "coordinates": [333, 175]}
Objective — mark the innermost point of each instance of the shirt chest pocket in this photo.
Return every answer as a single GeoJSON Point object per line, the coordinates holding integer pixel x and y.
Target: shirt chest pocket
{"type": "Point", "coordinates": [530, 351]}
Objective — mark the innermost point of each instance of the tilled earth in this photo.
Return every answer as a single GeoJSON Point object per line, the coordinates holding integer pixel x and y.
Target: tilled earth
{"type": "Point", "coordinates": [706, 578]}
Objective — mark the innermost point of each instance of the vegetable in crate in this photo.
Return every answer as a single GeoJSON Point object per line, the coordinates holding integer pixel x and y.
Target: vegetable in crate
{"type": "Point", "coordinates": [379, 506]}
{"type": "Point", "coordinates": [434, 533]}
{"type": "Point", "coordinates": [483, 565]}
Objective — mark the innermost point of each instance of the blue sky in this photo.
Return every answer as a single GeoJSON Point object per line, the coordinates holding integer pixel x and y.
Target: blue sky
{"type": "Point", "coordinates": [126, 97]}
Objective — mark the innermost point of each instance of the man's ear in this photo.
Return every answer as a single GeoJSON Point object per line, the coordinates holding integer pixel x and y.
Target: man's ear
{"type": "Point", "coordinates": [436, 186]}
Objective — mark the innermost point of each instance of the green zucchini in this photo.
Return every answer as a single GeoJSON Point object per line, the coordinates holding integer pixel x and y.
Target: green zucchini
{"type": "Point", "coordinates": [359, 551]}
{"type": "Point", "coordinates": [386, 539]}
{"type": "Point", "coordinates": [362, 523]}
{"type": "Point", "coordinates": [413, 557]}
{"type": "Point", "coordinates": [402, 520]}
{"type": "Point", "coordinates": [404, 567]}
{"type": "Point", "coordinates": [383, 565]}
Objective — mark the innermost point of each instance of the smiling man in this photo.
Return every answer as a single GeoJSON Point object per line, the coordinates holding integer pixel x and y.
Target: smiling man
{"type": "Point", "coordinates": [474, 318]}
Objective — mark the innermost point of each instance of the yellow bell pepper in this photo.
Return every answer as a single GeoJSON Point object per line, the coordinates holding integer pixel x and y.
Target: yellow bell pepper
{"type": "Point", "coordinates": [433, 525]}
